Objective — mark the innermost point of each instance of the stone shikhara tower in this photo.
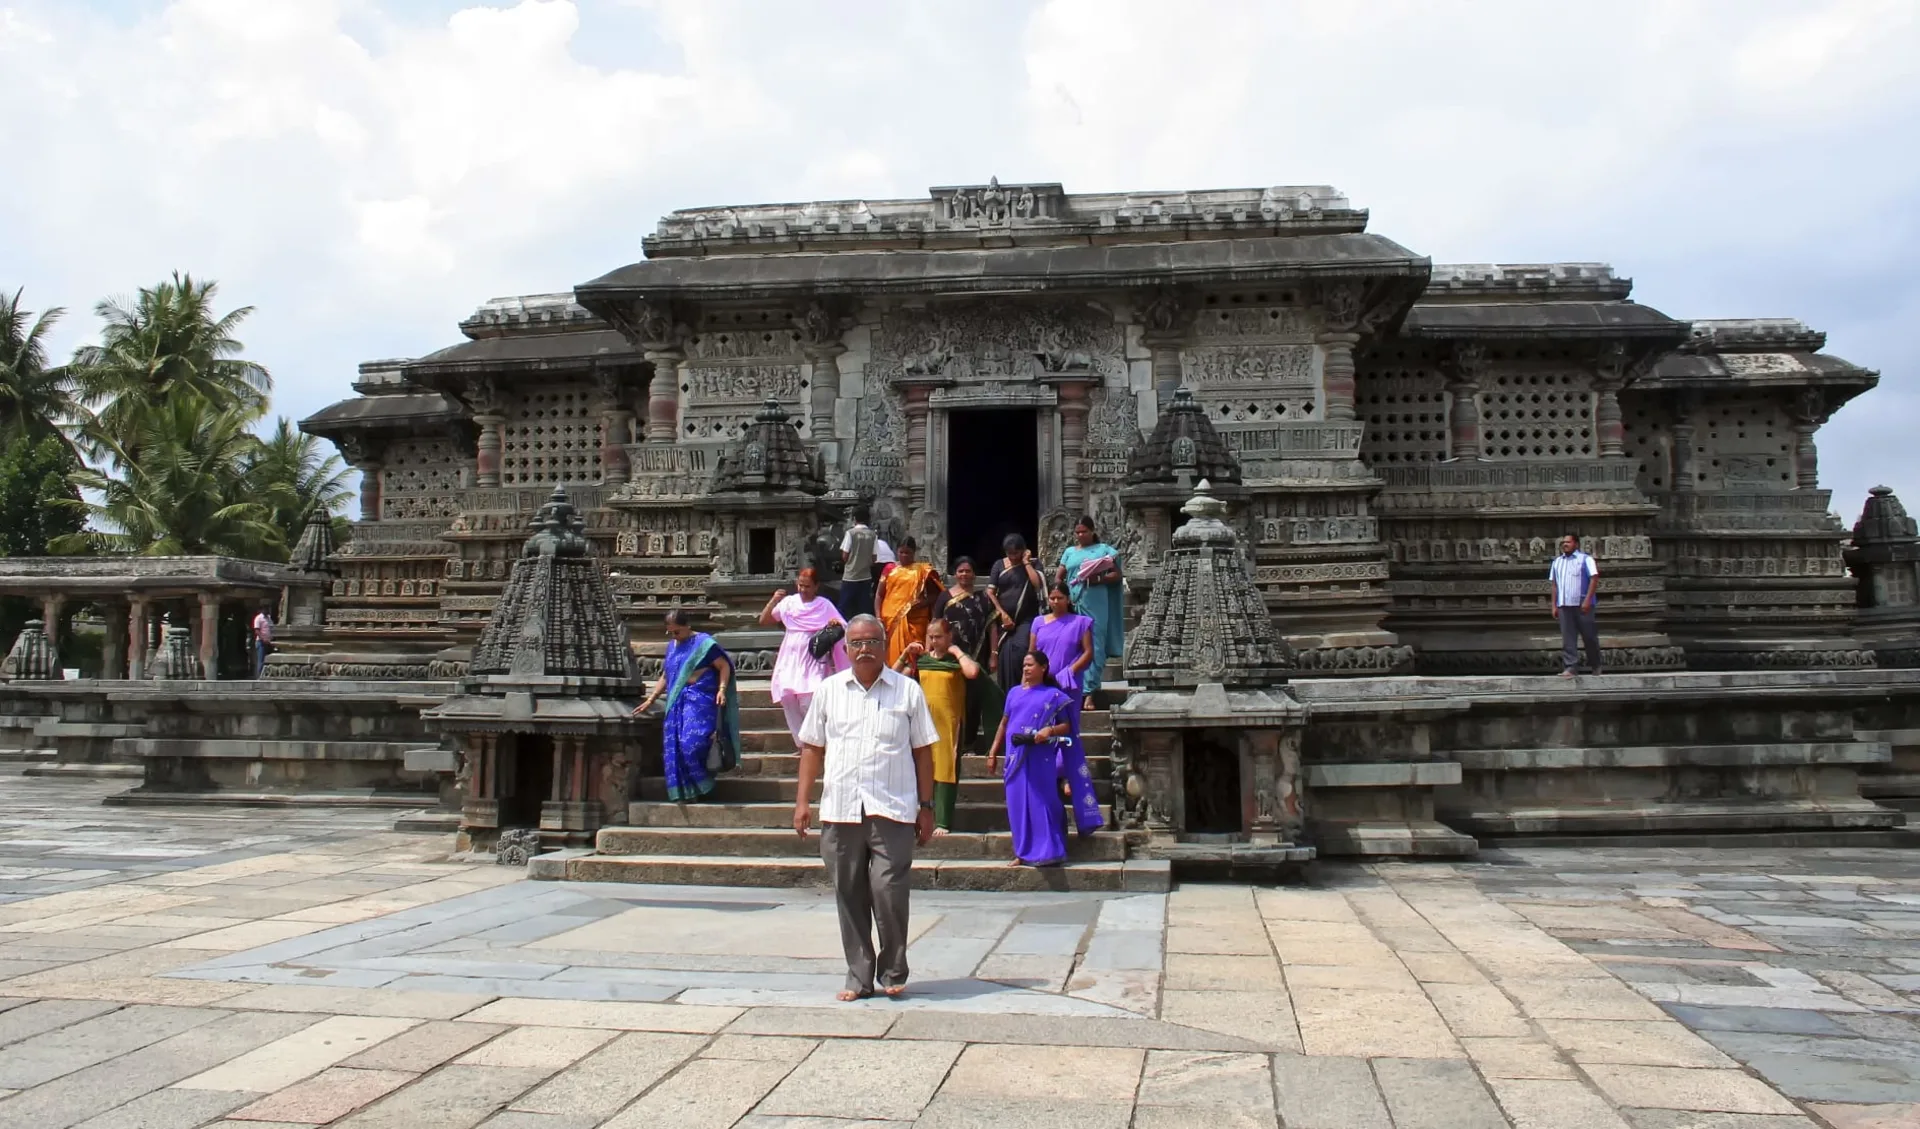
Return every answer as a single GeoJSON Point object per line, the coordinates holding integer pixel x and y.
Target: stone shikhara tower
{"type": "Point", "coordinates": [1409, 440]}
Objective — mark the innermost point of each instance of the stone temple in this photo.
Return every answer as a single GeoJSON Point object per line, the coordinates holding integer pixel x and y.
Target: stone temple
{"type": "Point", "coordinates": [1336, 471]}
{"type": "Point", "coordinates": [1408, 440]}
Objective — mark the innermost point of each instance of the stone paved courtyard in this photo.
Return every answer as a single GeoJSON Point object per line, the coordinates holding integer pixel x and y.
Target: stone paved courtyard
{"type": "Point", "coordinates": [166, 969]}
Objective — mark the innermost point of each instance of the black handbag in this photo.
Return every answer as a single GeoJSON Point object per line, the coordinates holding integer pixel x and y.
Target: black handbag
{"type": "Point", "coordinates": [822, 642]}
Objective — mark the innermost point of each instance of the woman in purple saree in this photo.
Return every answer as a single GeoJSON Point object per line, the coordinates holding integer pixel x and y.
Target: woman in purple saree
{"type": "Point", "coordinates": [1067, 641]}
{"type": "Point", "coordinates": [1035, 718]}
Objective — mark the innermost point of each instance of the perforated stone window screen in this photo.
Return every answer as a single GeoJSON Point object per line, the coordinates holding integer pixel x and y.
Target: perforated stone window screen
{"type": "Point", "coordinates": [1744, 441]}
{"type": "Point", "coordinates": [1648, 441]}
{"type": "Point", "coordinates": [552, 435]}
{"type": "Point", "coordinates": [421, 480]}
{"type": "Point", "coordinates": [1260, 409]}
{"type": "Point", "coordinates": [1405, 410]}
{"type": "Point", "coordinates": [1536, 415]}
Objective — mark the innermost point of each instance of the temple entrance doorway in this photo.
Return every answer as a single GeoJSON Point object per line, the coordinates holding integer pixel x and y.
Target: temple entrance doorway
{"type": "Point", "coordinates": [993, 483]}
{"type": "Point", "coordinates": [527, 782]}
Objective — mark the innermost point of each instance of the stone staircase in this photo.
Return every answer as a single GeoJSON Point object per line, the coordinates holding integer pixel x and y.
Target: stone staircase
{"type": "Point", "coordinates": [743, 834]}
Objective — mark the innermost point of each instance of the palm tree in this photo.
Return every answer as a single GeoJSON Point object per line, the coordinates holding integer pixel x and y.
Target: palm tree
{"type": "Point", "coordinates": [186, 492]}
{"type": "Point", "coordinates": [35, 400]}
{"type": "Point", "coordinates": [296, 479]}
{"type": "Point", "coordinates": [169, 341]}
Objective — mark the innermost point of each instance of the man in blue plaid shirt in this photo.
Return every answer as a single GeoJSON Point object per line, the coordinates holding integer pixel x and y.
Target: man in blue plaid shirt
{"type": "Point", "coordinates": [1574, 576]}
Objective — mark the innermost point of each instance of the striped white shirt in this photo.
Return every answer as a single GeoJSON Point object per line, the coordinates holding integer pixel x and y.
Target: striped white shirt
{"type": "Point", "coordinates": [869, 735]}
{"type": "Point", "coordinates": [1572, 576]}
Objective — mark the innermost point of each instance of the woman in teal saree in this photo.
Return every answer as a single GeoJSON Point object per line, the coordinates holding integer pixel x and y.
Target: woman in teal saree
{"type": "Point", "coordinates": [701, 729]}
{"type": "Point", "coordinates": [1091, 571]}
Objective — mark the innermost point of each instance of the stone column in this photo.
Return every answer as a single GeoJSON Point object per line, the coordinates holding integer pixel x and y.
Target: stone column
{"type": "Point", "coordinates": [1809, 411]}
{"type": "Point", "coordinates": [486, 452]}
{"type": "Point", "coordinates": [370, 489]}
{"type": "Point", "coordinates": [1337, 379]}
{"type": "Point", "coordinates": [113, 651]}
{"type": "Point", "coordinates": [663, 395]}
{"type": "Point", "coordinates": [916, 395]}
{"type": "Point", "coordinates": [615, 423]}
{"type": "Point", "coordinates": [1682, 461]}
{"type": "Point", "coordinates": [1165, 320]}
{"type": "Point", "coordinates": [137, 617]}
{"type": "Point", "coordinates": [364, 454]}
{"type": "Point", "coordinates": [209, 636]}
{"type": "Point", "coordinates": [1608, 424]}
{"type": "Point", "coordinates": [825, 361]}
{"type": "Point", "coordinates": [50, 608]}
{"type": "Point", "coordinates": [1463, 390]}
{"type": "Point", "coordinates": [1075, 403]}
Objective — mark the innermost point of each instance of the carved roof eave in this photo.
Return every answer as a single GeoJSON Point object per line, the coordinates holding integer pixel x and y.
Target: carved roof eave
{"type": "Point", "coordinates": [1240, 707]}
{"type": "Point", "coordinates": [1304, 258]}
{"type": "Point", "coordinates": [1559, 321]}
{"type": "Point", "coordinates": [507, 709]}
{"type": "Point", "coordinates": [747, 499]}
{"type": "Point", "coordinates": [421, 413]}
{"type": "Point", "coordinates": [1840, 381]}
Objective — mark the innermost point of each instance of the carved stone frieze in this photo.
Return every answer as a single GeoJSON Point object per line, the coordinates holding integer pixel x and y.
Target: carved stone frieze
{"type": "Point", "coordinates": [995, 339]}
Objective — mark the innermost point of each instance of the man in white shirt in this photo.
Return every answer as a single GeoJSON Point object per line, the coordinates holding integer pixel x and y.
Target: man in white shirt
{"type": "Point", "coordinates": [262, 641]}
{"type": "Point", "coordinates": [858, 550]}
{"type": "Point", "coordinates": [1574, 577]}
{"type": "Point", "coordinates": [869, 730]}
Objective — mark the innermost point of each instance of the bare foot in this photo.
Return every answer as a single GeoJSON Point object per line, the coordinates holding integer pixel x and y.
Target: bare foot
{"type": "Point", "coordinates": [896, 991]}
{"type": "Point", "coordinates": [939, 831]}
{"type": "Point", "coordinates": [848, 995]}
{"type": "Point", "coordinates": [1016, 863]}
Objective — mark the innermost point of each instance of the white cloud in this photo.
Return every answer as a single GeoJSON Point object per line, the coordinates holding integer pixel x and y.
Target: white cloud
{"type": "Point", "coordinates": [366, 171]}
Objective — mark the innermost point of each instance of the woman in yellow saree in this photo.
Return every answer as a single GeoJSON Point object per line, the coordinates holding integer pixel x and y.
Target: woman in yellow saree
{"type": "Point", "coordinates": [944, 671]}
{"type": "Point", "coordinates": [906, 600]}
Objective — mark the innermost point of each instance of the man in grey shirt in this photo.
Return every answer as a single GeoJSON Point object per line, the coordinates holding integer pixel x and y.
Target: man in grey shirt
{"type": "Point", "coordinates": [856, 572]}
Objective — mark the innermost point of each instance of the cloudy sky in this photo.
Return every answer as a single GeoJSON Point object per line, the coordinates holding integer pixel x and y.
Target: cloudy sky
{"type": "Point", "coordinates": [365, 172]}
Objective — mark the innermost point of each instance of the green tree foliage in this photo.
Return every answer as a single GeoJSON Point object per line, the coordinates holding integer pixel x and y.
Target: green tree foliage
{"type": "Point", "coordinates": [37, 502]}
{"type": "Point", "coordinates": [37, 506]}
{"type": "Point", "coordinates": [167, 343]}
{"type": "Point", "coordinates": [182, 487]}
{"type": "Point", "coordinates": [296, 479]}
{"type": "Point", "coordinates": [36, 400]}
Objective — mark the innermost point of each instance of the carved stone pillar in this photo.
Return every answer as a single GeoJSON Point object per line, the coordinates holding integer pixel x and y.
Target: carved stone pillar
{"type": "Point", "coordinates": [1463, 390]}
{"type": "Point", "coordinates": [915, 395]}
{"type": "Point", "coordinates": [1682, 461]}
{"type": "Point", "coordinates": [1809, 411]}
{"type": "Point", "coordinates": [825, 360]}
{"type": "Point", "coordinates": [1337, 372]}
{"type": "Point", "coordinates": [1608, 424]}
{"type": "Point", "coordinates": [615, 423]}
{"type": "Point", "coordinates": [663, 395]}
{"type": "Point", "coordinates": [1166, 319]}
{"type": "Point", "coordinates": [1075, 403]}
{"type": "Point", "coordinates": [820, 324]}
{"type": "Point", "coordinates": [486, 449]}
{"type": "Point", "coordinates": [50, 608]}
{"type": "Point", "coordinates": [137, 616]}
{"type": "Point", "coordinates": [370, 469]}
{"type": "Point", "coordinates": [209, 636]}
{"type": "Point", "coordinates": [113, 651]}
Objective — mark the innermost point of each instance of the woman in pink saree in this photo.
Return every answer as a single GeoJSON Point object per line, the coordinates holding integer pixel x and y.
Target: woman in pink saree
{"type": "Point", "coordinates": [795, 671]}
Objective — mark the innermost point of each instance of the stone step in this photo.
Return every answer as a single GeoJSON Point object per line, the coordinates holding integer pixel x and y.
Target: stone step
{"type": "Point", "coordinates": [780, 741]}
{"type": "Point", "coordinates": [767, 789]}
{"type": "Point", "coordinates": [781, 842]}
{"type": "Point", "coordinates": [779, 815]}
{"type": "Point", "coordinates": [788, 764]}
{"type": "Point", "coordinates": [1143, 876]}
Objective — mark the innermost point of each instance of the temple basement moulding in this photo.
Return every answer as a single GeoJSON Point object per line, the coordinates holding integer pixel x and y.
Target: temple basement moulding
{"type": "Point", "coordinates": [1400, 444]}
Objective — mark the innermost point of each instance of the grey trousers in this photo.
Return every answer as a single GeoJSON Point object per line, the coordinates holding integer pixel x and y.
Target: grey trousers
{"type": "Point", "coordinates": [869, 864]}
{"type": "Point", "coordinates": [1575, 626]}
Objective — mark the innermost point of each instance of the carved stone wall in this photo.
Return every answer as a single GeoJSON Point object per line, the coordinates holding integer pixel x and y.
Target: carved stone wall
{"type": "Point", "coordinates": [1532, 414]}
{"type": "Point", "coordinates": [1405, 410]}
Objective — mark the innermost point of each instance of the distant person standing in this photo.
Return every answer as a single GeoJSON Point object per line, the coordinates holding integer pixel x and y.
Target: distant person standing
{"type": "Point", "coordinates": [1090, 569]}
{"type": "Point", "coordinates": [262, 641]}
{"type": "Point", "coordinates": [1574, 577]}
{"type": "Point", "coordinates": [856, 566]}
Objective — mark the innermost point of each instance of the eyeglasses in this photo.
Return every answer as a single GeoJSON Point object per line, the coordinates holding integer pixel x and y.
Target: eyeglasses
{"type": "Point", "coordinates": [865, 644]}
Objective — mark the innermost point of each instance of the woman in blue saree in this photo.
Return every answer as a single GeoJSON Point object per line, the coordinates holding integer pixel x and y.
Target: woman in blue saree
{"type": "Point", "coordinates": [701, 728]}
{"type": "Point", "coordinates": [1090, 569]}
